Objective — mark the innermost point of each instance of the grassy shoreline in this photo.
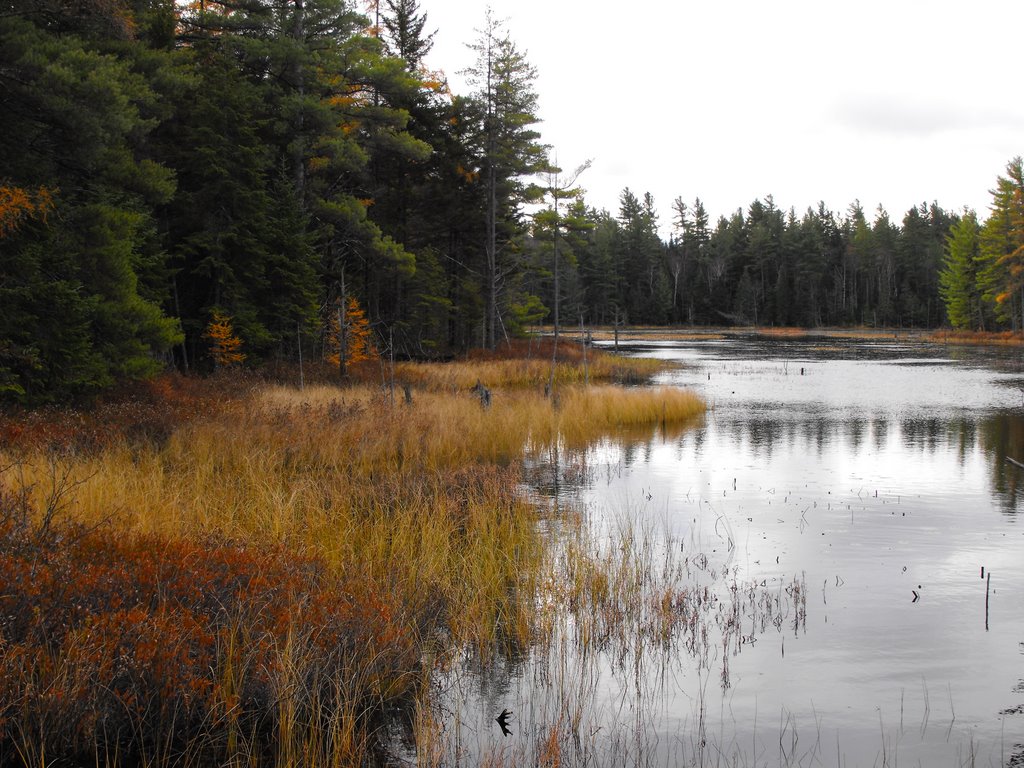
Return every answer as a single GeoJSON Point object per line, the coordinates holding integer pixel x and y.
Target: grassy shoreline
{"type": "Point", "coordinates": [260, 574]}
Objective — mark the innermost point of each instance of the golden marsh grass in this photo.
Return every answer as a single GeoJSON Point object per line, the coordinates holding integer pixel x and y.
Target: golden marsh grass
{"type": "Point", "coordinates": [534, 372]}
{"type": "Point", "coordinates": [415, 511]}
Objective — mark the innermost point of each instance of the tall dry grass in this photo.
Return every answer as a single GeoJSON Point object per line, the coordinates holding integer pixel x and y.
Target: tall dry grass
{"type": "Point", "coordinates": [534, 372]}
{"type": "Point", "coordinates": [411, 515]}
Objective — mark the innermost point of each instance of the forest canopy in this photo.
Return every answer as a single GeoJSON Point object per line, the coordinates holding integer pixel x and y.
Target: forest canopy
{"type": "Point", "coordinates": [221, 183]}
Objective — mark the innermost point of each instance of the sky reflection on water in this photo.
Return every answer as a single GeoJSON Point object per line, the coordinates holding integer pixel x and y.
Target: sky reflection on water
{"type": "Point", "coordinates": [877, 472]}
{"type": "Point", "coordinates": [869, 473]}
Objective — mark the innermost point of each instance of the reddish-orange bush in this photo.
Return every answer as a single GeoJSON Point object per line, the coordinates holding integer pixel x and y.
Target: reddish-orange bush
{"type": "Point", "coordinates": [538, 348]}
{"type": "Point", "coordinates": [145, 411]}
{"type": "Point", "coordinates": [136, 643]}
{"type": "Point", "coordinates": [996, 338]}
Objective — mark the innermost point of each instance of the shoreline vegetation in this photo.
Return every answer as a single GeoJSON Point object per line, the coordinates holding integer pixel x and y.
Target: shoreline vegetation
{"type": "Point", "coordinates": [234, 191]}
{"type": "Point", "coordinates": [954, 337]}
{"type": "Point", "coordinates": [236, 571]}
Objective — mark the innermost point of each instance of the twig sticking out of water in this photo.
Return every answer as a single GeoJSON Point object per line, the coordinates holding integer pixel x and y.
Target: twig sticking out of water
{"type": "Point", "coordinates": [988, 584]}
{"type": "Point", "coordinates": [927, 708]}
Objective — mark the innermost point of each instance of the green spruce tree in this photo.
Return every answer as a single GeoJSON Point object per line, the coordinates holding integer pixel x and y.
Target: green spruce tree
{"type": "Point", "coordinates": [958, 280]}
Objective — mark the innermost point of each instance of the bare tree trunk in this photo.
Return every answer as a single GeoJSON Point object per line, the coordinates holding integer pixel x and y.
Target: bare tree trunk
{"type": "Point", "coordinates": [583, 341]}
{"type": "Point", "coordinates": [299, 78]}
{"type": "Point", "coordinates": [492, 206]}
{"type": "Point", "coordinates": [298, 338]}
{"type": "Point", "coordinates": [554, 246]}
{"type": "Point", "coordinates": [177, 310]}
{"type": "Point", "coordinates": [343, 331]}
{"type": "Point", "coordinates": [492, 262]}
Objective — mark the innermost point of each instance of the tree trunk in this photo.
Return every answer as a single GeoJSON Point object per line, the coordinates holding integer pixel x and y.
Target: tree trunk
{"type": "Point", "coordinates": [343, 332]}
{"type": "Point", "coordinates": [554, 345]}
{"type": "Point", "coordinates": [492, 264]}
{"type": "Point", "coordinates": [299, 78]}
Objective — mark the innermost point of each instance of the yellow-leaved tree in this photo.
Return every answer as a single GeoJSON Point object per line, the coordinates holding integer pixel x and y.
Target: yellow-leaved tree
{"type": "Point", "coordinates": [18, 204]}
{"type": "Point", "coordinates": [349, 338]}
{"type": "Point", "coordinates": [225, 346]}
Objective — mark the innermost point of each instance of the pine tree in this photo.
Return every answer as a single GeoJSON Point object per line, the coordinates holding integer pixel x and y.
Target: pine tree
{"type": "Point", "coordinates": [550, 225]}
{"type": "Point", "coordinates": [644, 284]}
{"type": "Point", "coordinates": [405, 36]}
{"type": "Point", "coordinates": [1002, 246]}
{"type": "Point", "coordinates": [597, 268]}
{"type": "Point", "coordinates": [80, 281]}
{"type": "Point", "coordinates": [745, 303]}
{"type": "Point", "coordinates": [958, 279]}
{"type": "Point", "coordinates": [509, 149]}
{"type": "Point", "coordinates": [679, 252]}
{"type": "Point", "coordinates": [18, 205]}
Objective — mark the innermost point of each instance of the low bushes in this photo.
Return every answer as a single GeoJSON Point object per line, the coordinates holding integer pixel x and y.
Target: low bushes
{"type": "Point", "coordinates": [128, 648]}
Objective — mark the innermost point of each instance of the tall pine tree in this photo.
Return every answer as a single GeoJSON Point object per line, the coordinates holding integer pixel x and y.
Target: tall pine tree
{"type": "Point", "coordinates": [510, 153]}
{"type": "Point", "coordinates": [959, 277]}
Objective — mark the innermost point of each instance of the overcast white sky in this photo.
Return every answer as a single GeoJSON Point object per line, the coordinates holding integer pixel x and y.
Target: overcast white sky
{"type": "Point", "coordinates": [891, 102]}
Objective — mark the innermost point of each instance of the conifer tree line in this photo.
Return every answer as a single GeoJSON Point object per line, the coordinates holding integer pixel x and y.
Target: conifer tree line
{"type": "Point", "coordinates": [232, 182]}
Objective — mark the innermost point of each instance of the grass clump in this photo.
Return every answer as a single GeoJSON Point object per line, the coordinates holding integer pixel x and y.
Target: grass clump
{"type": "Point", "coordinates": [528, 365]}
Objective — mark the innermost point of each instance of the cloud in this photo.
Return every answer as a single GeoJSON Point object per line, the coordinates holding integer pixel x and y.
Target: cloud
{"type": "Point", "coordinates": [915, 117]}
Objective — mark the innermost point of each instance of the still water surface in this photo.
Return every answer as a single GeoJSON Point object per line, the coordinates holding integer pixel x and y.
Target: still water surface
{"type": "Point", "coordinates": [863, 487]}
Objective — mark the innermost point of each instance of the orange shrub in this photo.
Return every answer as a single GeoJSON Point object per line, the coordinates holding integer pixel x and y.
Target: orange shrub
{"type": "Point", "coordinates": [140, 412]}
{"type": "Point", "coordinates": [123, 644]}
{"type": "Point", "coordinates": [539, 348]}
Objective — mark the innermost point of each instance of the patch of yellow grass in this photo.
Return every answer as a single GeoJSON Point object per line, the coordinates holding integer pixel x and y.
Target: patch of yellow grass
{"type": "Point", "coordinates": [524, 373]}
{"type": "Point", "coordinates": [423, 500]}
{"type": "Point", "coordinates": [415, 494]}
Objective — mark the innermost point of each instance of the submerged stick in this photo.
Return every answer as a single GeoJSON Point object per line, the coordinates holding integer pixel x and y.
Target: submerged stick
{"type": "Point", "coordinates": [1015, 462]}
{"type": "Point", "coordinates": [988, 584]}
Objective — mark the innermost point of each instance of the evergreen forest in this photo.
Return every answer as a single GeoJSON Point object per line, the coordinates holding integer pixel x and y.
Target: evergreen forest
{"type": "Point", "coordinates": [238, 182]}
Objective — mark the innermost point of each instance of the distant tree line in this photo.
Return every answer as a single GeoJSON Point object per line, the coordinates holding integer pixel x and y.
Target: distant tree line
{"type": "Point", "coordinates": [762, 266]}
{"type": "Point", "coordinates": [226, 183]}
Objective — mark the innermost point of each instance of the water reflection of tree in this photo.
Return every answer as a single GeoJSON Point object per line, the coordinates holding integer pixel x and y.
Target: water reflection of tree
{"type": "Point", "coordinates": [559, 471]}
{"type": "Point", "coordinates": [1002, 437]}
{"type": "Point", "coordinates": [760, 437]}
{"type": "Point", "coordinates": [855, 429]}
{"type": "Point", "coordinates": [927, 435]}
{"type": "Point", "coordinates": [880, 433]}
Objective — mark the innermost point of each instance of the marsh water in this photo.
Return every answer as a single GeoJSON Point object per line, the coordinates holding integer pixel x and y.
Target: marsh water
{"type": "Point", "coordinates": [839, 545]}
